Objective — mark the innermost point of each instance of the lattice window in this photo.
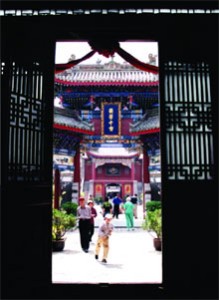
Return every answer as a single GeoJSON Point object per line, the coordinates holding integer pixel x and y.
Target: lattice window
{"type": "Point", "coordinates": [26, 128]}
{"type": "Point", "coordinates": [188, 117]}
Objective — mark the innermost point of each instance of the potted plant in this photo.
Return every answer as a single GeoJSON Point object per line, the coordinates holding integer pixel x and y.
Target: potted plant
{"type": "Point", "coordinates": [70, 207]}
{"type": "Point", "coordinates": [153, 222]}
{"type": "Point", "coordinates": [61, 222]}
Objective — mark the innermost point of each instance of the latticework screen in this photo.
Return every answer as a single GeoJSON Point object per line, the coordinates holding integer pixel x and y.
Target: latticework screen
{"type": "Point", "coordinates": [188, 118]}
{"type": "Point", "coordinates": [26, 128]}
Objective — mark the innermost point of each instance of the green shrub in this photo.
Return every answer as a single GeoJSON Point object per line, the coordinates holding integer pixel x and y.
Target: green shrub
{"type": "Point", "coordinates": [153, 221]}
{"type": "Point", "coordinates": [98, 200]}
{"type": "Point", "coordinates": [61, 222]}
{"type": "Point", "coordinates": [70, 208]}
{"type": "Point", "coordinates": [153, 205]}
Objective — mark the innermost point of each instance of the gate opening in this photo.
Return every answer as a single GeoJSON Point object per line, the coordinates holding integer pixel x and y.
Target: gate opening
{"type": "Point", "coordinates": [107, 144]}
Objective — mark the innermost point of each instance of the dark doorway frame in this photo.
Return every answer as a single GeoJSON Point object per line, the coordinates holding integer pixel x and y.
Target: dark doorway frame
{"type": "Point", "coordinates": [184, 261]}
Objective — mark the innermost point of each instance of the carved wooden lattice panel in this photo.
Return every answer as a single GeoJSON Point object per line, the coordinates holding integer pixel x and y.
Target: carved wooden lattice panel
{"type": "Point", "coordinates": [188, 117]}
{"type": "Point", "coordinates": [26, 127]}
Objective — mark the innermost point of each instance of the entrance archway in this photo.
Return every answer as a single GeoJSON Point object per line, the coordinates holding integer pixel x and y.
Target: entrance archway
{"type": "Point", "coordinates": [31, 57]}
{"type": "Point", "coordinates": [112, 189]}
{"type": "Point", "coordinates": [110, 107]}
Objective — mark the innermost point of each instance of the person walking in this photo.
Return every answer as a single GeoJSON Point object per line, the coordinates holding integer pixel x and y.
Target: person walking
{"type": "Point", "coordinates": [107, 207]}
{"type": "Point", "coordinates": [116, 206]}
{"type": "Point", "coordinates": [90, 198]}
{"type": "Point", "coordinates": [84, 216]}
{"type": "Point", "coordinates": [104, 232]}
{"type": "Point", "coordinates": [93, 215]}
{"type": "Point", "coordinates": [134, 200]}
{"type": "Point", "coordinates": [128, 208]}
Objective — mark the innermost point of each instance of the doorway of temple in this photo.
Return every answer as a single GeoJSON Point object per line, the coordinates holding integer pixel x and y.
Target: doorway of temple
{"type": "Point", "coordinates": [107, 143]}
{"type": "Point", "coordinates": [112, 189]}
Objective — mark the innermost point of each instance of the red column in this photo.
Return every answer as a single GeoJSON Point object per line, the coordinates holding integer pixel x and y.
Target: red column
{"type": "Point", "coordinates": [57, 189]}
{"type": "Point", "coordinates": [77, 173]}
{"type": "Point", "coordinates": [93, 169]}
{"type": "Point", "coordinates": [145, 166]}
{"type": "Point", "coordinates": [146, 174]}
{"type": "Point", "coordinates": [133, 169]}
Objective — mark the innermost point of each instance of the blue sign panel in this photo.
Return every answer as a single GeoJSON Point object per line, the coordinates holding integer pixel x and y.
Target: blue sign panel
{"type": "Point", "coordinates": [111, 126]}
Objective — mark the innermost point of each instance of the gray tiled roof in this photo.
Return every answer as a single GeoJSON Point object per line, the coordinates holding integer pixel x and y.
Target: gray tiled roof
{"type": "Point", "coordinates": [71, 119]}
{"type": "Point", "coordinates": [115, 76]}
{"type": "Point", "coordinates": [149, 121]}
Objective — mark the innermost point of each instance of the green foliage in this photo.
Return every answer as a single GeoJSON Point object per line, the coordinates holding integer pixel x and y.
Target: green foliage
{"type": "Point", "coordinates": [98, 200]}
{"type": "Point", "coordinates": [153, 205]}
{"type": "Point", "coordinates": [153, 221]}
{"type": "Point", "coordinates": [61, 222]}
{"type": "Point", "coordinates": [106, 204]}
{"type": "Point", "coordinates": [70, 208]}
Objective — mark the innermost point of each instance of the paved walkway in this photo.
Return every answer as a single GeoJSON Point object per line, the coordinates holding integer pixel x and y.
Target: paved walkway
{"type": "Point", "coordinates": [131, 259]}
{"type": "Point", "coordinates": [121, 221]}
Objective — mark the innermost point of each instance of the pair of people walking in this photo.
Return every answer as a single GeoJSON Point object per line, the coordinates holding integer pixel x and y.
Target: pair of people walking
{"type": "Point", "coordinates": [86, 215]}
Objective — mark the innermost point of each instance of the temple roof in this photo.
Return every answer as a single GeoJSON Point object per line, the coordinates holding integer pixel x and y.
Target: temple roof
{"type": "Point", "coordinates": [148, 124]}
{"type": "Point", "coordinates": [108, 74]}
{"type": "Point", "coordinates": [108, 77]}
{"type": "Point", "coordinates": [69, 120]}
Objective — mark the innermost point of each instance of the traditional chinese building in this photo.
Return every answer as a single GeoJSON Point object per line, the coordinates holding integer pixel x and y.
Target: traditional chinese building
{"type": "Point", "coordinates": [109, 172]}
{"type": "Point", "coordinates": [114, 107]}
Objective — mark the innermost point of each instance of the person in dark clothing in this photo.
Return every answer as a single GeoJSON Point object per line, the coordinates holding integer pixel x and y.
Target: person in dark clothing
{"type": "Point", "coordinates": [155, 191]}
{"type": "Point", "coordinates": [107, 207]}
{"type": "Point", "coordinates": [66, 193]}
{"type": "Point", "coordinates": [93, 215]}
{"type": "Point", "coordinates": [134, 200]}
{"type": "Point", "coordinates": [116, 206]}
{"type": "Point", "coordinates": [84, 216]}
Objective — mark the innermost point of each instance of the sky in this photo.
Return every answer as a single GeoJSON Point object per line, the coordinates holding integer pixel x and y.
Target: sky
{"type": "Point", "coordinates": [139, 50]}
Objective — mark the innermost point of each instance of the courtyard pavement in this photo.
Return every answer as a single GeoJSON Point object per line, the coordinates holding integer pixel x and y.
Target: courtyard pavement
{"type": "Point", "coordinates": [132, 257]}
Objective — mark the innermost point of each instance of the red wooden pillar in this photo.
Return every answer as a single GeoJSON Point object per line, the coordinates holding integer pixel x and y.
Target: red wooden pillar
{"type": "Point", "coordinates": [77, 175]}
{"type": "Point", "coordinates": [57, 188]}
{"type": "Point", "coordinates": [133, 176]}
{"type": "Point", "coordinates": [93, 176]}
{"type": "Point", "coordinates": [133, 169]}
{"type": "Point", "coordinates": [146, 175]}
{"type": "Point", "coordinates": [93, 170]}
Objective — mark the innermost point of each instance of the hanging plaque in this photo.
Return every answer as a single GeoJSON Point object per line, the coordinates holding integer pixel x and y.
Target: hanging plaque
{"type": "Point", "coordinates": [110, 120]}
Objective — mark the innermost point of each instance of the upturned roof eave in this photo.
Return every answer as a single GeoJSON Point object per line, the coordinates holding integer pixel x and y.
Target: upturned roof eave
{"type": "Point", "coordinates": [148, 131]}
{"type": "Point", "coordinates": [74, 129]}
{"type": "Point", "coordinates": [106, 83]}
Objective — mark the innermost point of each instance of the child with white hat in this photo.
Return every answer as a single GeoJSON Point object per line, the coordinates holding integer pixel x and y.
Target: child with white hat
{"type": "Point", "coordinates": [104, 232]}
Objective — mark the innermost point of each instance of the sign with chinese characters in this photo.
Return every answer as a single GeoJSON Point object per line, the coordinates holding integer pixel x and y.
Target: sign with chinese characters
{"type": "Point", "coordinates": [98, 189]}
{"type": "Point", "coordinates": [127, 189]}
{"type": "Point", "coordinates": [63, 162]}
{"type": "Point", "coordinates": [110, 120]}
{"type": "Point", "coordinates": [113, 171]}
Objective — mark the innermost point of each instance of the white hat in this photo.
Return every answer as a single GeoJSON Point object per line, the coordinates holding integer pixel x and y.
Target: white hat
{"type": "Point", "coordinates": [108, 216]}
{"type": "Point", "coordinates": [128, 199]}
{"type": "Point", "coordinates": [89, 201]}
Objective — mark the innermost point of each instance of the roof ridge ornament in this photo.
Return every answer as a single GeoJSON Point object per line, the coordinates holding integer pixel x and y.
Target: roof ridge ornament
{"type": "Point", "coordinates": [108, 48]}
